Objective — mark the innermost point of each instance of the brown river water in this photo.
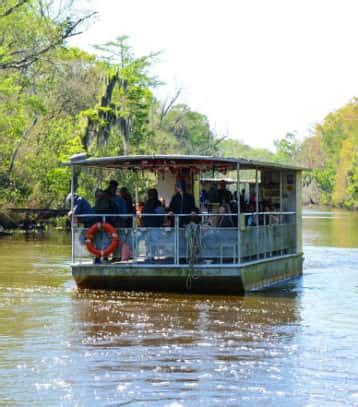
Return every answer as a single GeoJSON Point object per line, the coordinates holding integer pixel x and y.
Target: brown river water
{"type": "Point", "coordinates": [296, 345]}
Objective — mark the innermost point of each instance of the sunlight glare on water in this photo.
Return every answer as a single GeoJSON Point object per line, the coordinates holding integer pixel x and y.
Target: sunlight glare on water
{"type": "Point", "coordinates": [295, 345]}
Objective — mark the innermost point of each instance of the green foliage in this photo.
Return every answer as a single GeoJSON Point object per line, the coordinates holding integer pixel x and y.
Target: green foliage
{"type": "Point", "coordinates": [121, 119]}
{"type": "Point", "coordinates": [338, 135]}
{"type": "Point", "coordinates": [331, 153]}
{"type": "Point", "coordinates": [287, 149]}
{"type": "Point", "coordinates": [235, 148]}
{"type": "Point", "coordinates": [190, 129]}
{"type": "Point", "coordinates": [56, 101]}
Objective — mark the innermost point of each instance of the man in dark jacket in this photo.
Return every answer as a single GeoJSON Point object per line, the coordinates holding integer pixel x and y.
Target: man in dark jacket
{"type": "Point", "coordinates": [182, 202]}
{"type": "Point", "coordinates": [224, 195]}
{"type": "Point", "coordinates": [117, 204]}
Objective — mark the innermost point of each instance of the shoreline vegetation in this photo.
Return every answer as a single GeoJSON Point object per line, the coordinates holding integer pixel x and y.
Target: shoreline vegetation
{"type": "Point", "coordinates": [56, 101]}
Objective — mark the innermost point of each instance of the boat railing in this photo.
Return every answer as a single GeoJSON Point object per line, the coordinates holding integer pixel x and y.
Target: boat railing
{"type": "Point", "coordinates": [221, 238]}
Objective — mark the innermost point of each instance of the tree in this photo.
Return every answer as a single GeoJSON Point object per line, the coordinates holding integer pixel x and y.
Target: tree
{"type": "Point", "coordinates": [287, 149]}
{"type": "Point", "coordinates": [28, 35]}
{"type": "Point", "coordinates": [190, 129]}
{"type": "Point", "coordinates": [123, 112]}
{"type": "Point", "coordinates": [37, 80]}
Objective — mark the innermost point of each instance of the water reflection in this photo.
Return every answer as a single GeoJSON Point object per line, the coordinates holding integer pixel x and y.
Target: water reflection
{"type": "Point", "coordinates": [125, 319]}
{"type": "Point", "coordinates": [294, 345]}
{"type": "Point", "coordinates": [160, 345]}
{"type": "Point", "coordinates": [336, 228]}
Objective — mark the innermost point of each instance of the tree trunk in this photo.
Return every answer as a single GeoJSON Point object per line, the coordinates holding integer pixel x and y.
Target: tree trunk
{"type": "Point", "coordinates": [22, 139]}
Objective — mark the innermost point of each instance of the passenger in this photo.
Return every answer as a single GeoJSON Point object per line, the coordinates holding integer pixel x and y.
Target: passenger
{"type": "Point", "coordinates": [162, 202]}
{"type": "Point", "coordinates": [233, 209]}
{"type": "Point", "coordinates": [213, 194]}
{"type": "Point", "coordinates": [203, 197]}
{"type": "Point", "coordinates": [167, 223]}
{"type": "Point", "coordinates": [251, 219]}
{"type": "Point", "coordinates": [81, 207]}
{"type": "Point", "coordinates": [139, 210]}
{"type": "Point", "coordinates": [182, 203]}
{"type": "Point", "coordinates": [105, 205]}
{"type": "Point", "coordinates": [119, 202]}
{"type": "Point", "coordinates": [271, 219]}
{"type": "Point", "coordinates": [224, 221]}
{"type": "Point", "coordinates": [112, 188]}
{"type": "Point", "coordinates": [126, 196]}
{"type": "Point", "coordinates": [242, 196]}
{"type": "Point", "coordinates": [153, 205]}
{"type": "Point", "coordinates": [224, 195]}
{"type": "Point", "coordinates": [195, 216]}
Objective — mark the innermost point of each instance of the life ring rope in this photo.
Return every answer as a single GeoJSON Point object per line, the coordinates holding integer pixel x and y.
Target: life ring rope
{"type": "Point", "coordinates": [110, 230]}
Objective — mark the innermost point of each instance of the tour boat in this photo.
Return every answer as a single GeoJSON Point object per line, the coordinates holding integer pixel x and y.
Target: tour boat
{"type": "Point", "coordinates": [260, 247]}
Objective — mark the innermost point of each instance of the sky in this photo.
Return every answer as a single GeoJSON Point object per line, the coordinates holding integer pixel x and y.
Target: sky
{"type": "Point", "coordinates": [257, 68]}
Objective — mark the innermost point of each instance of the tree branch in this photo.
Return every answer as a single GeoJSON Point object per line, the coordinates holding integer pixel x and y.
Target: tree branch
{"type": "Point", "coordinates": [167, 106]}
{"type": "Point", "coordinates": [23, 137]}
{"type": "Point", "coordinates": [13, 8]}
{"type": "Point", "coordinates": [29, 59]}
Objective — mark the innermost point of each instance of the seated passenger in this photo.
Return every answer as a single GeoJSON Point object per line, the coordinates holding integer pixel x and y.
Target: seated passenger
{"type": "Point", "coordinates": [182, 203]}
{"type": "Point", "coordinates": [251, 219]}
{"type": "Point", "coordinates": [224, 220]}
{"type": "Point", "coordinates": [127, 197]}
{"type": "Point", "coordinates": [271, 219]}
{"type": "Point", "coordinates": [152, 205]}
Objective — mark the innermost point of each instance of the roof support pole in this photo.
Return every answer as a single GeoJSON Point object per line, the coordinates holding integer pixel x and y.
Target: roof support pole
{"type": "Point", "coordinates": [72, 216]}
{"type": "Point", "coordinates": [257, 209]}
{"type": "Point", "coordinates": [280, 217]}
{"type": "Point", "coordinates": [238, 212]}
{"type": "Point", "coordinates": [280, 194]}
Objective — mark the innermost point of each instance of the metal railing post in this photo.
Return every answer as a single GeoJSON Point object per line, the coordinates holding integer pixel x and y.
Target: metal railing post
{"type": "Point", "coordinates": [72, 217]}
{"type": "Point", "coordinates": [134, 239]}
{"type": "Point", "coordinates": [257, 210]}
{"type": "Point", "coordinates": [177, 244]}
{"type": "Point", "coordinates": [238, 199]}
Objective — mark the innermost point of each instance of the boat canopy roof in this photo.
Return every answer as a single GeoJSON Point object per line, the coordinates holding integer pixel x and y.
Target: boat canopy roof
{"type": "Point", "coordinates": [157, 162]}
{"type": "Point", "coordinates": [217, 180]}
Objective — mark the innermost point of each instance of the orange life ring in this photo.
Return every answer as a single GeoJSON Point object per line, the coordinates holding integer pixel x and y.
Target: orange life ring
{"type": "Point", "coordinates": [108, 228]}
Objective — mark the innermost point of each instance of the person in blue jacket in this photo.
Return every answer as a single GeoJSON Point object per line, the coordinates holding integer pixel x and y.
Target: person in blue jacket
{"type": "Point", "coordinates": [81, 207]}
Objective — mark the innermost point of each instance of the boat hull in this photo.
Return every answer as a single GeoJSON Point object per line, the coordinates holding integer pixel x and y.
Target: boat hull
{"type": "Point", "coordinates": [211, 279]}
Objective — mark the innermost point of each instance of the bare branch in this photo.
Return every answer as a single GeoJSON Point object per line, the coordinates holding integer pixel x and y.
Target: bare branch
{"type": "Point", "coordinates": [218, 141]}
{"type": "Point", "coordinates": [167, 105]}
{"type": "Point", "coordinates": [22, 139]}
{"type": "Point", "coordinates": [29, 59]}
{"type": "Point", "coordinates": [13, 8]}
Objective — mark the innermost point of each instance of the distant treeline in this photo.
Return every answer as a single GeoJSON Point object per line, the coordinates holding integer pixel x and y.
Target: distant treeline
{"type": "Point", "coordinates": [56, 101]}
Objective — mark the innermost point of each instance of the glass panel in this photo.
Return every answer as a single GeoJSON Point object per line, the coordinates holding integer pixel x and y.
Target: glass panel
{"type": "Point", "coordinates": [155, 245]}
{"type": "Point", "coordinates": [216, 244]}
